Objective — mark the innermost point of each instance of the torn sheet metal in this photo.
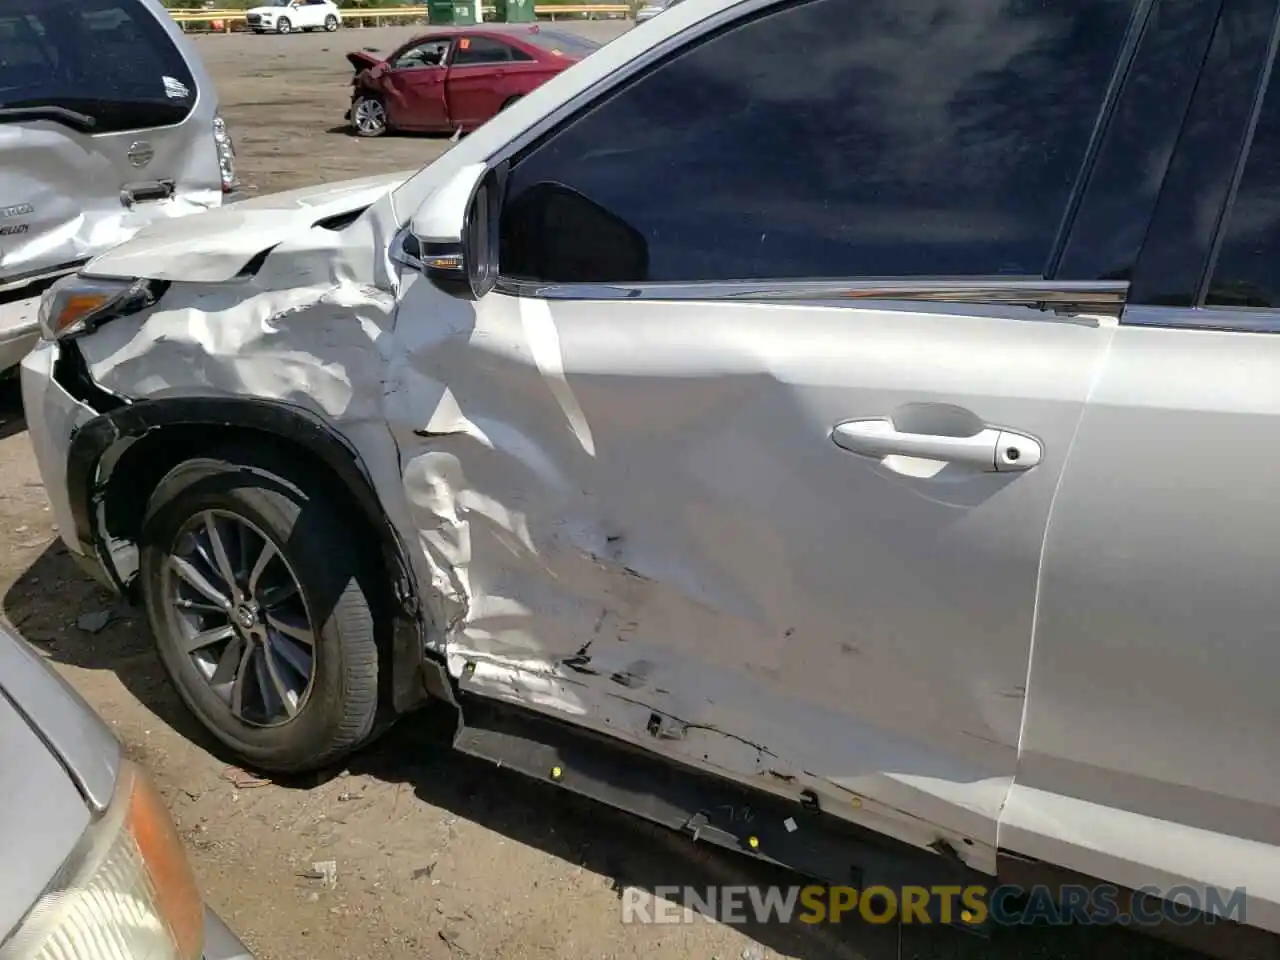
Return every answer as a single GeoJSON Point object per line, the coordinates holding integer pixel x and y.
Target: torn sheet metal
{"type": "Point", "coordinates": [216, 248]}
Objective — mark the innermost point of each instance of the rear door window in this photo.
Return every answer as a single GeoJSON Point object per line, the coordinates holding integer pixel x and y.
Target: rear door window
{"type": "Point", "coordinates": [110, 60]}
{"type": "Point", "coordinates": [560, 43]}
{"type": "Point", "coordinates": [473, 50]}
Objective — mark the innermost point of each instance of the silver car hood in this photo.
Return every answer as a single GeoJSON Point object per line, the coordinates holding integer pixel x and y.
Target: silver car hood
{"type": "Point", "coordinates": [214, 247]}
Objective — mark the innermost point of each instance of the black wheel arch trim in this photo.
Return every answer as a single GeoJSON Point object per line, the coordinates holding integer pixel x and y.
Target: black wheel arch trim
{"type": "Point", "coordinates": [93, 441]}
{"type": "Point", "coordinates": [411, 665]}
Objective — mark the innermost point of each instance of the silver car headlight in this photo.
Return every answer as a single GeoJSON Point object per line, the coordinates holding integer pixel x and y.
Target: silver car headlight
{"type": "Point", "coordinates": [76, 303]}
{"type": "Point", "coordinates": [127, 891]}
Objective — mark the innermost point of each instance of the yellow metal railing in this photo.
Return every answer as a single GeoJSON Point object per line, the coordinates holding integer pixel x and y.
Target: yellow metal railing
{"type": "Point", "coordinates": [227, 20]}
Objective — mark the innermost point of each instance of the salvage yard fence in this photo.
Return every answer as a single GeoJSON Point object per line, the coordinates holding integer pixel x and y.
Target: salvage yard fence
{"type": "Point", "coordinates": [227, 21]}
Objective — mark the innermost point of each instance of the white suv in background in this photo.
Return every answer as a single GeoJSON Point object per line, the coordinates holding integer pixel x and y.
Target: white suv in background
{"type": "Point", "coordinates": [286, 16]}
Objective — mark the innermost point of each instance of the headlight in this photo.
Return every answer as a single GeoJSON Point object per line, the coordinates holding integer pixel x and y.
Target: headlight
{"type": "Point", "coordinates": [127, 891]}
{"type": "Point", "coordinates": [77, 303]}
{"type": "Point", "coordinates": [226, 155]}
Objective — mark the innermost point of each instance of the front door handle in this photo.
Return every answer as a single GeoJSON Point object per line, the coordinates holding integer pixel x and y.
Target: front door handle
{"type": "Point", "coordinates": [991, 449]}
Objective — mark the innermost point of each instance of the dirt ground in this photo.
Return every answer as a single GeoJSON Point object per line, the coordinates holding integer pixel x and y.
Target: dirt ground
{"type": "Point", "coordinates": [436, 856]}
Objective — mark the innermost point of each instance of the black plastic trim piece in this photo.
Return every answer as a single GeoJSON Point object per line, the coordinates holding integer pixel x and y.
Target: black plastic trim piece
{"type": "Point", "coordinates": [1180, 240]}
{"type": "Point", "coordinates": [1122, 190]}
{"type": "Point", "coordinates": [72, 374]}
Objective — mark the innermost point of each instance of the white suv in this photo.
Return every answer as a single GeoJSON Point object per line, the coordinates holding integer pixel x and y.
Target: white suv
{"type": "Point", "coordinates": [808, 458]}
{"type": "Point", "coordinates": [286, 16]}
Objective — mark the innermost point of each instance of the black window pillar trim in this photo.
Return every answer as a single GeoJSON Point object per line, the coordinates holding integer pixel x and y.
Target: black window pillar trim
{"type": "Point", "coordinates": [93, 442]}
{"type": "Point", "coordinates": [1215, 246]}
{"type": "Point", "coordinates": [1176, 254]}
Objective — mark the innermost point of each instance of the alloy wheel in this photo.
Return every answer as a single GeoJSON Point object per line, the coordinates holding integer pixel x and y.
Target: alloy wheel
{"type": "Point", "coordinates": [369, 116]}
{"type": "Point", "coordinates": [236, 610]}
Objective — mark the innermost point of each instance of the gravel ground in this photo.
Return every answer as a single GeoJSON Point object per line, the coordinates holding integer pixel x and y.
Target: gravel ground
{"type": "Point", "coordinates": [436, 856]}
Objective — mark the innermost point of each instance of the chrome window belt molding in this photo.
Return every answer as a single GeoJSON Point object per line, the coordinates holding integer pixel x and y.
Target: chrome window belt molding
{"type": "Point", "coordinates": [1103, 296]}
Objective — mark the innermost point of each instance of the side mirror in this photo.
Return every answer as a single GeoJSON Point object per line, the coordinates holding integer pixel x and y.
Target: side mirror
{"type": "Point", "coordinates": [456, 231]}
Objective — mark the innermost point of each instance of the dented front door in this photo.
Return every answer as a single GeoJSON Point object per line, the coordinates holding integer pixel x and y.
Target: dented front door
{"type": "Point", "coordinates": [697, 476]}
{"type": "Point", "coordinates": [645, 525]}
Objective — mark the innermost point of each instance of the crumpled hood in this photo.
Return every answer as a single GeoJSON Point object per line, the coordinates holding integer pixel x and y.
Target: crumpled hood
{"type": "Point", "coordinates": [214, 247]}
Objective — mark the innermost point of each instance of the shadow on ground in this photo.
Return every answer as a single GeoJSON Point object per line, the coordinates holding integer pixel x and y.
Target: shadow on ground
{"type": "Point", "coordinates": [344, 129]}
{"type": "Point", "coordinates": [54, 602]}
{"type": "Point", "coordinates": [11, 417]}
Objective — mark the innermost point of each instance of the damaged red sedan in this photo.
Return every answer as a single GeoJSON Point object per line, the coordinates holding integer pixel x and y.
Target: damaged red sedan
{"type": "Point", "coordinates": [456, 78]}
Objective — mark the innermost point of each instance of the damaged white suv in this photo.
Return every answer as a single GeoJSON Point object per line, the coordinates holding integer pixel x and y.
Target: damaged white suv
{"type": "Point", "coordinates": [809, 458]}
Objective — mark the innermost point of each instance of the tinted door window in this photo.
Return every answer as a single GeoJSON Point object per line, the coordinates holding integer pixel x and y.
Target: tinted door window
{"type": "Point", "coordinates": [109, 59]}
{"type": "Point", "coordinates": [480, 50]}
{"type": "Point", "coordinates": [560, 43]}
{"type": "Point", "coordinates": [1247, 271]}
{"type": "Point", "coordinates": [831, 138]}
{"type": "Point", "coordinates": [430, 54]}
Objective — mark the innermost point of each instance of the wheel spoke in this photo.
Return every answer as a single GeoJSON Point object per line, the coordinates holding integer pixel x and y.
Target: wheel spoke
{"type": "Point", "coordinates": [225, 569]}
{"type": "Point", "coordinates": [274, 596]}
{"type": "Point", "coordinates": [206, 637]}
{"type": "Point", "coordinates": [224, 564]}
{"type": "Point", "coordinates": [291, 630]}
{"type": "Point", "coordinates": [265, 557]}
{"type": "Point", "coordinates": [241, 681]}
{"type": "Point", "coordinates": [293, 654]}
{"type": "Point", "coordinates": [288, 698]}
{"type": "Point", "coordinates": [266, 692]}
{"type": "Point", "coordinates": [199, 606]}
{"type": "Point", "coordinates": [228, 664]}
{"type": "Point", "coordinates": [188, 572]}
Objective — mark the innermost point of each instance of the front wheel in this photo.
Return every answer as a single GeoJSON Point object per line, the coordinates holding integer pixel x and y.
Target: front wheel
{"type": "Point", "coordinates": [369, 117]}
{"type": "Point", "coordinates": [284, 26]}
{"type": "Point", "coordinates": [263, 605]}
{"type": "Point", "coordinates": [331, 23]}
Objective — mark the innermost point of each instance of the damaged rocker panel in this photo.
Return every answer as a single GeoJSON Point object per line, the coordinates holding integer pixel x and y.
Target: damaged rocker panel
{"type": "Point", "coordinates": [799, 836]}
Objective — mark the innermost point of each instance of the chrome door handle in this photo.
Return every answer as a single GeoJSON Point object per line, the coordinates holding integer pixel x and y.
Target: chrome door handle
{"type": "Point", "coordinates": [991, 449]}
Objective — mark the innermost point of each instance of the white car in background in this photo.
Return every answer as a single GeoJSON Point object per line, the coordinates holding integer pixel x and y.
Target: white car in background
{"type": "Point", "coordinates": [652, 8]}
{"type": "Point", "coordinates": [286, 16]}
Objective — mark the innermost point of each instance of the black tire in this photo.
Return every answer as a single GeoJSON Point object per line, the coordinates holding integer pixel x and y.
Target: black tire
{"type": "Point", "coordinates": [509, 101]}
{"type": "Point", "coordinates": [284, 25]}
{"type": "Point", "coordinates": [330, 23]}
{"type": "Point", "coordinates": [335, 573]}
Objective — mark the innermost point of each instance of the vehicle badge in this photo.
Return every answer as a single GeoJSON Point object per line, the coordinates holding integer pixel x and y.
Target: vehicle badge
{"type": "Point", "coordinates": [141, 153]}
{"type": "Point", "coordinates": [175, 89]}
{"type": "Point", "coordinates": [17, 210]}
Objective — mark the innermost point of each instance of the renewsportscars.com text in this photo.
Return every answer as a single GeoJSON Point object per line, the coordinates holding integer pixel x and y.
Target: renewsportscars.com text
{"type": "Point", "coordinates": [1006, 905]}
